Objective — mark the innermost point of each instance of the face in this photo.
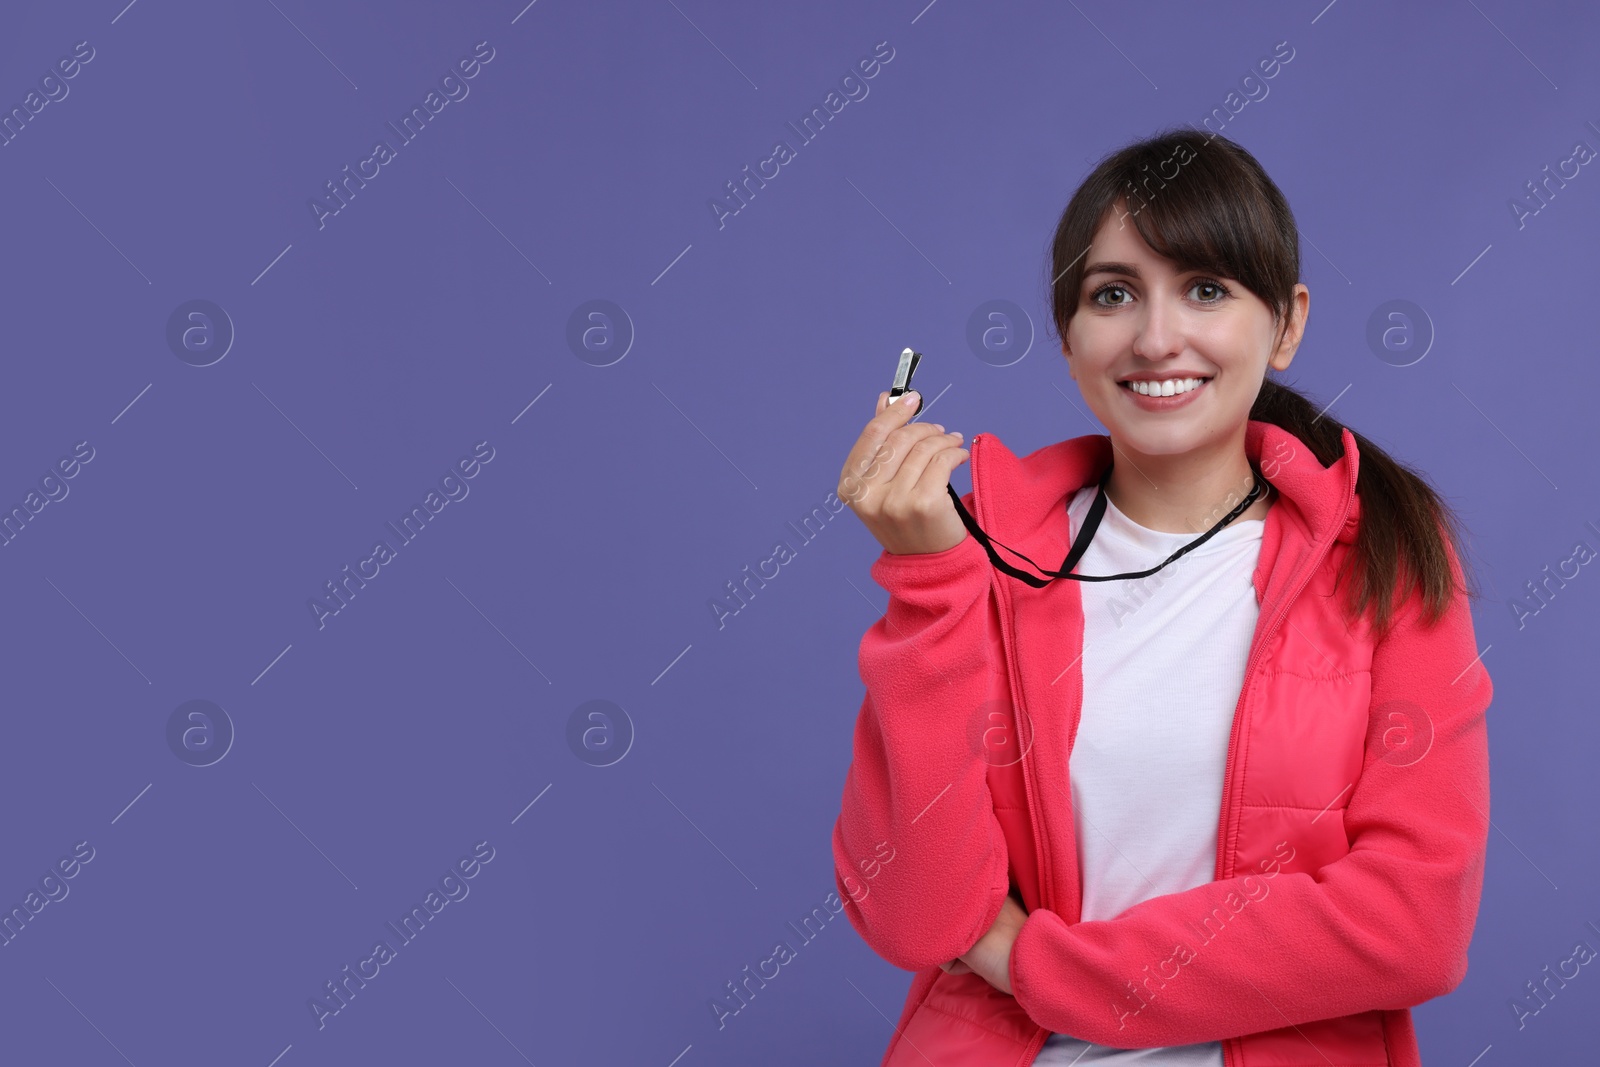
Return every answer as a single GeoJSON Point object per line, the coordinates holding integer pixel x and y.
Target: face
{"type": "Point", "coordinates": [1139, 316]}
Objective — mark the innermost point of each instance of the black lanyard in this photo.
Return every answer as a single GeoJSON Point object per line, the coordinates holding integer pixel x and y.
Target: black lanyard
{"type": "Point", "coordinates": [1080, 544]}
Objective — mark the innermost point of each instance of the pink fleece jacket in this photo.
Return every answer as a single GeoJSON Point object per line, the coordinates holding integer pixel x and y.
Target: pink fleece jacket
{"type": "Point", "coordinates": [1355, 802]}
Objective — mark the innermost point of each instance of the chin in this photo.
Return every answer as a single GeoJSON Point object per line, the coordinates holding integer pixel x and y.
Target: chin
{"type": "Point", "coordinates": [1165, 446]}
{"type": "Point", "coordinates": [1163, 441]}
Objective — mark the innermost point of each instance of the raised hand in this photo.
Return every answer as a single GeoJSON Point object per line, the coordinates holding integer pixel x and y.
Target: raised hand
{"type": "Point", "coordinates": [895, 479]}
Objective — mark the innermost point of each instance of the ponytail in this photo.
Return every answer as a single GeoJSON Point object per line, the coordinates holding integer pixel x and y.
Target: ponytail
{"type": "Point", "coordinates": [1404, 522]}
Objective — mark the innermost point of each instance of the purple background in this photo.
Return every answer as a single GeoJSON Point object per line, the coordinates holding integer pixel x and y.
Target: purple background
{"type": "Point", "coordinates": [431, 312]}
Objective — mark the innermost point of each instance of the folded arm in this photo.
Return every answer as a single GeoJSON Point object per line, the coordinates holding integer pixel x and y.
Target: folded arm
{"type": "Point", "coordinates": [1386, 926]}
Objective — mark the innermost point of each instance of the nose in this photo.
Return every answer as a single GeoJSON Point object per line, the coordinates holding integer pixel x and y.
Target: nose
{"type": "Point", "coordinates": [1160, 331]}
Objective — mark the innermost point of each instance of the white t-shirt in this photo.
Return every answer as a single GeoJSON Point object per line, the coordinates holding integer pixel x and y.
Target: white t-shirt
{"type": "Point", "coordinates": [1163, 664]}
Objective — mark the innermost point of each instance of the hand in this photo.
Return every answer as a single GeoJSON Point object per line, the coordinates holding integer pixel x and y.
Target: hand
{"type": "Point", "coordinates": [895, 479]}
{"type": "Point", "coordinates": [990, 958]}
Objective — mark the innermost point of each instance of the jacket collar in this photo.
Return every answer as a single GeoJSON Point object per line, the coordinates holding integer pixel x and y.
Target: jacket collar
{"type": "Point", "coordinates": [1017, 498]}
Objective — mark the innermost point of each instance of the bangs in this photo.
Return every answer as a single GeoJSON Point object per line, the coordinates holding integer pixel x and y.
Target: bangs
{"type": "Point", "coordinates": [1203, 203]}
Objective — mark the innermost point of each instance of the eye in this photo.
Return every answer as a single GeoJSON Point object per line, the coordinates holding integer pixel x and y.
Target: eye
{"type": "Point", "coordinates": [1220, 292]}
{"type": "Point", "coordinates": [1094, 297]}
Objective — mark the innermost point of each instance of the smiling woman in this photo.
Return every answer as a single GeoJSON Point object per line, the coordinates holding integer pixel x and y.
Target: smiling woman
{"type": "Point", "coordinates": [1047, 900]}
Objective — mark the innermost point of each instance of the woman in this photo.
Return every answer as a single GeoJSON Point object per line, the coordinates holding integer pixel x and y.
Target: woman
{"type": "Point", "coordinates": [1228, 806]}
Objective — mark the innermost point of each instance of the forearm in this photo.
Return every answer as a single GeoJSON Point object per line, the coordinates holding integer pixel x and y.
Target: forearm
{"type": "Point", "coordinates": [917, 785]}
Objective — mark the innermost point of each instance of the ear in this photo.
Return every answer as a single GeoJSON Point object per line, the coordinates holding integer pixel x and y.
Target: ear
{"type": "Point", "coordinates": [1299, 310]}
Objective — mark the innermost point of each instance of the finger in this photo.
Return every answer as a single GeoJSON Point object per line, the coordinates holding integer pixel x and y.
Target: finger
{"type": "Point", "coordinates": [905, 406]}
{"type": "Point", "coordinates": [865, 451]}
{"type": "Point", "coordinates": [882, 446]}
{"type": "Point", "coordinates": [936, 474]}
{"type": "Point", "coordinates": [886, 462]}
{"type": "Point", "coordinates": [925, 468]}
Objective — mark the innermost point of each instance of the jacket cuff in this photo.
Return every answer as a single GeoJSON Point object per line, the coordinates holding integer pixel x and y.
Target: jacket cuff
{"type": "Point", "coordinates": [907, 575]}
{"type": "Point", "coordinates": [1024, 965]}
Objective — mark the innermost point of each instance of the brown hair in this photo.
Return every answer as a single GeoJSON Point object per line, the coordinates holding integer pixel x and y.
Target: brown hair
{"type": "Point", "coordinates": [1206, 203]}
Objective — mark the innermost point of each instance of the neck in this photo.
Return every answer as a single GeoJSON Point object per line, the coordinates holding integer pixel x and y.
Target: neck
{"type": "Point", "coordinates": [1185, 493]}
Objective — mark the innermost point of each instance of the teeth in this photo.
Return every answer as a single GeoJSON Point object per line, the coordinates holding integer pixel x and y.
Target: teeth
{"type": "Point", "coordinates": [1170, 387]}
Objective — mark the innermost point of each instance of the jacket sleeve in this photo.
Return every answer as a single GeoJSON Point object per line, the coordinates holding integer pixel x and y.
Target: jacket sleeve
{"type": "Point", "coordinates": [919, 856]}
{"type": "Point", "coordinates": [1385, 926]}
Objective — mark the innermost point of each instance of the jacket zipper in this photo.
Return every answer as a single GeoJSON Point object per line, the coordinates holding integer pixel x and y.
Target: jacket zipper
{"type": "Point", "coordinates": [1046, 897]}
{"type": "Point", "coordinates": [1008, 642]}
{"type": "Point", "coordinates": [1228, 813]}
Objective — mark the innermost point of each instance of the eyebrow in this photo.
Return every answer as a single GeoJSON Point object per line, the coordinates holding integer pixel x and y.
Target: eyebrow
{"type": "Point", "coordinates": [1129, 269]}
{"type": "Point", "coordinates": [1111, 268]}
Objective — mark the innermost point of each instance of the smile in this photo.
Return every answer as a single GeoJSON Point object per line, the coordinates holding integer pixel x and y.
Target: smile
{"type": "Point", "coordinates": [1164, 395]}
{"type": "Point", "coordinates": [1168, 387]}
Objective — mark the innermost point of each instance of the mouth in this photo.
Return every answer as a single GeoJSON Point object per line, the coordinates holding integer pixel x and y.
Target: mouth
{"type": "Point", "coordinates": [1170, 387]}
